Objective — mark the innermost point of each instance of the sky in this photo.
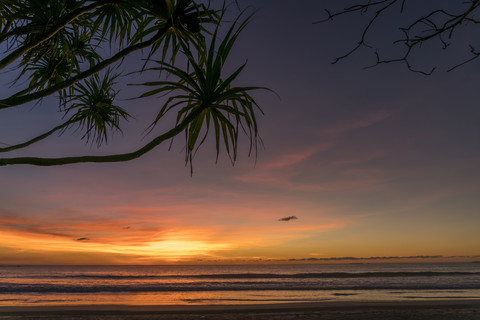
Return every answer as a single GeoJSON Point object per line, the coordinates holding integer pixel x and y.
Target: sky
{"type": "Point", "coordinates": [373, 162]}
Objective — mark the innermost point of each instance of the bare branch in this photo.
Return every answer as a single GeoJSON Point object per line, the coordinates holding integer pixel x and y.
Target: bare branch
{"type": "Point", "coordinates": [362, 8]}
{"type": "Point", "coordinates": [439, 24]}
{"type": "Point", "coordinates": [475, 53]}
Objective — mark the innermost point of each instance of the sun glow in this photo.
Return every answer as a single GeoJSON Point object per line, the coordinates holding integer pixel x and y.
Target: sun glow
{"type": "Point", "coordinates": [175, 249]}
{"type": "Point", "coordinates": [168, 249]}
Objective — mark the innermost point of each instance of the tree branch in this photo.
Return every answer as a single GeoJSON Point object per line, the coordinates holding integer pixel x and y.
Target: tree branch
{"type": "Point", "coordinates": [36, 139]}
{"type": "Point", "coordinates": [109, 158]}
{"type": "Point", "coordinates": [16, 100]}
{"type": "Point", "coordinates": [362, 8]}
{"type": "Point", "coordinates": [437, 24]}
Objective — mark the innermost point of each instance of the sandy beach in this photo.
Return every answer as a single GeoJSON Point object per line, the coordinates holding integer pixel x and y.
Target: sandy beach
{"type": "Point", "coordinates": [414, 310]}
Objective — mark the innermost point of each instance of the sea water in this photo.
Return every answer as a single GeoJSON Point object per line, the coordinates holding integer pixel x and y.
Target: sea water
{"type": "Point", "coordinates": [236, 284]}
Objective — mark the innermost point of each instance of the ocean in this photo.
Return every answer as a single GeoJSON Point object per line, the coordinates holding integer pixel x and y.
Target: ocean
{"type": "Point", "coordinates": [236, 284]}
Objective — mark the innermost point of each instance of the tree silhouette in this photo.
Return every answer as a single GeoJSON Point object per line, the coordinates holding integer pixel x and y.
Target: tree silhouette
{"type": "Point", "coordinates": [420, 23]}
{"type": "Point", "coordinates": [55, 45]}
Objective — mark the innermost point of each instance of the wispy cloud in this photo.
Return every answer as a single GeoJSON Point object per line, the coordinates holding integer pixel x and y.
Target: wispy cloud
{"type": "Point", "coordinates": [353, 124]}
{"type": "Point", "coordinates": [311, 171]}
{"type": "Point", "coordinates": [288, 160]}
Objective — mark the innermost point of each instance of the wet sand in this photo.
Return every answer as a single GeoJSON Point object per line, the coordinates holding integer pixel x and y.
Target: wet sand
{"type": "Point", "coordinates": [412, 310]}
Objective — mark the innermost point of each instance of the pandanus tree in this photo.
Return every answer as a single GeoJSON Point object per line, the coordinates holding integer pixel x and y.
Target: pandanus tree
{"type": "Point", "coordinates": [56, 45]}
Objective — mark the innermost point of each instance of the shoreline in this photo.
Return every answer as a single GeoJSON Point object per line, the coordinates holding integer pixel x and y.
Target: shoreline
{"type": "Point", "coordinates": [419, 309]}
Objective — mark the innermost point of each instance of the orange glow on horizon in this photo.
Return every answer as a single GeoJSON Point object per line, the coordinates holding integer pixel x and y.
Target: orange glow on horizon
{"type": "Point", "coordinates": [168, 249]}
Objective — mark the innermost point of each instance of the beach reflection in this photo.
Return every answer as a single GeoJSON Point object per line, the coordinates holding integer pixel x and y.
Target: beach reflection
{"type": "Point", "coordinates": [229, 297]}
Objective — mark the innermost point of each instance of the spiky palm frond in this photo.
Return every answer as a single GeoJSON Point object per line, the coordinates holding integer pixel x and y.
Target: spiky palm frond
{"type": "Point", "coordinates": [61, 61]}
{"type": "Point", "coordinates": [60, 56]}
{"type": "Point", "coordinates": [7, 9]}
{"type": "Point", "coordinates": [41, 16]}
{"type": "Point", "coordinates": [181, 19]}
{"type": "Point", "coordinates": [118, 20]}
{"type": "Point", "coordinates": [94, 110]}
{"type": "Point", "coordinates": [217, 105]}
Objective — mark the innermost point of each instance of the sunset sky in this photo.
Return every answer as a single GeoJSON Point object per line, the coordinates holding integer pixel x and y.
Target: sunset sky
{"type": "Point", "coordinates": [377, 162]}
